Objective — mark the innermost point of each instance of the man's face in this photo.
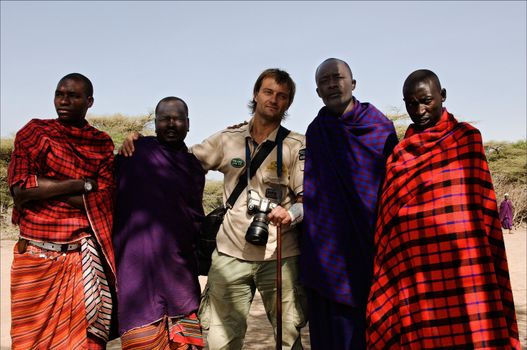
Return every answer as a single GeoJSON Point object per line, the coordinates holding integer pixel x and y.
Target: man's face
{"type": "Point", "coordinates": [71, 101]}
{"type": "Point", "coordinates": [272, 100]}
{"type": "Point", "coordinates": [335, 86]}
{"type": "Point", "coordinates": [171, 122]}
{"type": "Point", "coordinates": [424, 103]}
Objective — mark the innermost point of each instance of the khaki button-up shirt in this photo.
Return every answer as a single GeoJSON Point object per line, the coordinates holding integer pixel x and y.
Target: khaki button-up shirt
{"type": "Point", "coordinates": [225, 152]}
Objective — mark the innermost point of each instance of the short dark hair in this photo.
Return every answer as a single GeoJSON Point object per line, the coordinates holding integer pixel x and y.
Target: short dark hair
{"type": "Point", "coordinates": [172, 98]}
{"type": "Point", "coordinates": [88, 87]}
{"type": "Point", "coordinates": [281, 77]}
{"type": "Point", "coordinates": [422, 75]}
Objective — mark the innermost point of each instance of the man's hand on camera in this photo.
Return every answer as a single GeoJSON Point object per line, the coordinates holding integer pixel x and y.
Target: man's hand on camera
{"type": "Point", "coordinates": [279, 215]}
{"type": "Point", "coordinates": [127, 148]}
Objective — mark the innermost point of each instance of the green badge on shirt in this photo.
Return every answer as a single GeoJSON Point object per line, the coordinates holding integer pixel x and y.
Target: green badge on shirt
{"type": "Point", "coordinates": [237, 162]}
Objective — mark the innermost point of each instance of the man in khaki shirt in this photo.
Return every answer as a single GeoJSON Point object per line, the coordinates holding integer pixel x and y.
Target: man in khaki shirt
{"type": "Point", "coordinates": [238, 266]}
{"type": "Point", "coordinates": [225, 152]}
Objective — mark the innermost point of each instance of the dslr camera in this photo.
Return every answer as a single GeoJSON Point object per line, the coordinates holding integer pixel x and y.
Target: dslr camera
{"type": "Point", "coordinates": [258, 231]}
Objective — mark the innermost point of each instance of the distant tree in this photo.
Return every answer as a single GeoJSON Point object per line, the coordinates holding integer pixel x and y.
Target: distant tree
{"type": "Point", "coordinates": [508, 159]}
{"type": "Point", "coordinates": [508, 166]}
{"type": "Point", "coordinates": [400, 121]}
{"type": "Point", "coordinates": [119, 126]}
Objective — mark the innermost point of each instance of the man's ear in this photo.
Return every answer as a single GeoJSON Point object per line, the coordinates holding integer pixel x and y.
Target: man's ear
{"type": "Point", "coordinates": [318, 93]}
{"type": "Point", "coordinates": [188, 124]}
{"type": "Point", "coordinates": [90, 101]}
{"type": "Point", "coordinates": [443, 95]}
{"type": "Point", "coordinates": [353, 84]}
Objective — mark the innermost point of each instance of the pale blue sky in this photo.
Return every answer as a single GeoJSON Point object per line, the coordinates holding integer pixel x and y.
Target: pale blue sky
{"type": "Point", "coordinates": [210, 54]}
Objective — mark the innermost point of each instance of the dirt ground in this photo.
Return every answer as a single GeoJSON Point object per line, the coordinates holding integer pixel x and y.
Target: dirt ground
{"type": "Point", "coordinates": [259, 332]}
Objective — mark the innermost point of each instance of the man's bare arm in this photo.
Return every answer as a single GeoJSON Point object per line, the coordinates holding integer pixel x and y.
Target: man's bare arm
{"type": "Point", "coordinates": [51, 188]}
{"type": "Point", "coordinates": [127, 148]}
{"type": "Point", "coordinates": [75, 201]}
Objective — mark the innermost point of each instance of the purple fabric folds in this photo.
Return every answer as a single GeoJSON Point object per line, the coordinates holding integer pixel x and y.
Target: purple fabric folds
{"type": "Point", "coordinates": [158, 211]}
{"type": "Point", "coordinates": [344, 169]}
{"type": "Point", "coordinates": [506, 214]}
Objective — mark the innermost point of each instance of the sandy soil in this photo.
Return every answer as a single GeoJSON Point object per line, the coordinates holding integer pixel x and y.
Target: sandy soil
{"type": "Point", "coordinates": [259, 332]}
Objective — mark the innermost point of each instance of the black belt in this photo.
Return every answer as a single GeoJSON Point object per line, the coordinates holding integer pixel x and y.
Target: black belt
{"type": "Point", "coordinates": [56, 247]}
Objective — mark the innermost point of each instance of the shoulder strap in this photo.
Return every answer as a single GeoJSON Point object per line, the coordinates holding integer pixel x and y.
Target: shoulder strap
{"type": "Point", "coordinates": [258, 159]}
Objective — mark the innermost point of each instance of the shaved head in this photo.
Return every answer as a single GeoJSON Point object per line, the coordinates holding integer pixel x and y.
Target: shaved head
{"type": "Point", "coordinates": [421, 75]}
{"type": "Point", "coordinates": [172, 99]}
{"type": "Point", "coordinates": [332, 60]}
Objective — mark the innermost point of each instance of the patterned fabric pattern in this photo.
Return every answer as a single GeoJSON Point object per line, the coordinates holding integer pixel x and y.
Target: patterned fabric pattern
{"type": "Point", "coordinates": [49, 149]}
{"type": "Point", "coordinates": [168, 333]}
{"type": "Point", "coordinates": [186, 330]}
{"type": "Point", "coordinates": [47, 309]}
{"type": "Point", "coordinates": [97, 296]}
{"type": "Point", "coordinates": [441, 278]}
{"type": "Point", "coordinates": [345, 160]}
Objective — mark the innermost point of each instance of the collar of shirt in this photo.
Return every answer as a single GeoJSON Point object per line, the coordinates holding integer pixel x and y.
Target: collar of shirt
{"type": "Point", "coordinates": [271, 136]}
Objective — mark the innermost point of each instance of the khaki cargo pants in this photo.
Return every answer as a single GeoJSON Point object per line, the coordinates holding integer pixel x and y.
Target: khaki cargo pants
{"type": "Point", "coordinates": [230, 289]}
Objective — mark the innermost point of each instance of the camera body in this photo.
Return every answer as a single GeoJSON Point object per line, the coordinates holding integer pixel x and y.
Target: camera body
{"type": "Point", "coordinates": [264, 205]}
{"type": "Point", "coordinates": [258, 231]}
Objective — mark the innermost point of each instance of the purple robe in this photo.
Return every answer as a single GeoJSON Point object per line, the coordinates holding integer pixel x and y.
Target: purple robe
{"type": "Point", "coordinates": [506, 214]}
{"type": "Point", "coordinates": [158, 211]}
{"type": "Point", "coordinates": [344, 169]}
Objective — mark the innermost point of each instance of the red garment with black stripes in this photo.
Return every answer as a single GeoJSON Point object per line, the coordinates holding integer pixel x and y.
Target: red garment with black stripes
{"type": "Point", "coordinates": [50, 149]}
{"type": "Point", "coordinates": [441, 278]}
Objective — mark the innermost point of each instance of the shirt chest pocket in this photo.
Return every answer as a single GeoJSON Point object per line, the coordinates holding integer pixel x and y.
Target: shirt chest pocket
{"type": "Point", "coordinates": [275, 188]}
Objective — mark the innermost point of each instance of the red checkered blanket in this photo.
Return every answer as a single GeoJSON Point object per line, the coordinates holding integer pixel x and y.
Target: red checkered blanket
{"type": "Point", "coordinates": [441, 278]}
{"type": "Point", "coordinates": [49, 149]}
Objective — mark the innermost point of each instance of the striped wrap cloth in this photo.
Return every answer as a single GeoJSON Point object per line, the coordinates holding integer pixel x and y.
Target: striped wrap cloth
{"type": "Point", "coordinates": [183, 333]}
{"type": "Point", "coordinates": [51, 319]}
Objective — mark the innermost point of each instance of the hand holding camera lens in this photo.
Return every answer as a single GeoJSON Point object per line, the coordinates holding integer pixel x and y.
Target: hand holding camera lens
{"type": "Point", "coordinates": [258, 231]}
{"type": "Point", "coordinates": [264, 211]}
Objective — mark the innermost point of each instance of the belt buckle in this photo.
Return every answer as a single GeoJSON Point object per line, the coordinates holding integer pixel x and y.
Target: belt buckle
{"type": "Point", "coordinates": [64, 248]}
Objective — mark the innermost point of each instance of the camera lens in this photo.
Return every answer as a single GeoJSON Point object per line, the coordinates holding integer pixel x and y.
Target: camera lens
{"type": "Point", "coordinates": [258, 231]}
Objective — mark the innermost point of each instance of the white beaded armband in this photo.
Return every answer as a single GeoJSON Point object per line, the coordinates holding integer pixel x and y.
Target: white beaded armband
{"type": "Point", "coordinates": [296, 212]}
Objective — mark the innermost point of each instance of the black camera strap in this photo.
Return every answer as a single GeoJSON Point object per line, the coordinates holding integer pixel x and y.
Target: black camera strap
{"type": "Point", "coordinates": [254, 164]}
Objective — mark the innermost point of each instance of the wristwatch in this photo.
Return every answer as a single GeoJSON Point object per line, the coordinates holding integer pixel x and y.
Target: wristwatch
{"type": "Point", "coordinates": [88, 187]}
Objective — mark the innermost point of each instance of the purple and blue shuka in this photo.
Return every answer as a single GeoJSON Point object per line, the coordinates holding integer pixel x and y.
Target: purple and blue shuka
{"type": "Point", "coordinates": [506, 209]}
{"type": "Point", "coordinates": [158, 211]}
{"type": "Point", "coordinates": [344, 169]}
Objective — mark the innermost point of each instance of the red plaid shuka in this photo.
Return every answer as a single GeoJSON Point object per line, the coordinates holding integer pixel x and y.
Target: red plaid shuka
{"type": "Point", "coordinates": [49, 149]}
{"type": "Point", "coordinates": [441, 278]}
